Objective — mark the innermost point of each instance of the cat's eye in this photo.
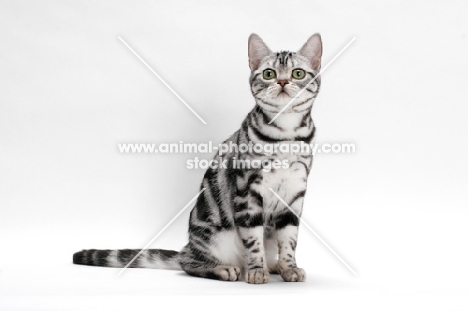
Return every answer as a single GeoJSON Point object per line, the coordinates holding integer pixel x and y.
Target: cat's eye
{"type": "Point", "coordinates": [298, 74]}
{"type": "Point", "coordinates": [269, 74]}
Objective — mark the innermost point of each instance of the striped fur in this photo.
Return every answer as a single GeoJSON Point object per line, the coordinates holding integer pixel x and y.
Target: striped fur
{"type": "Point", "coordinates": [238, 228]}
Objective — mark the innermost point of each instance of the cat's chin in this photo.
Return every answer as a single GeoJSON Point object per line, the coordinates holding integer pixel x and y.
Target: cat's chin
{"type": "Point", "coordinates": [283, 95]}
{"type": "Point", "coordinates": [275, 104]}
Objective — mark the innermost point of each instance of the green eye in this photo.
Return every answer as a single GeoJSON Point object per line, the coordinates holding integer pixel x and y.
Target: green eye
{"type": "Point", "coordinates": [298, 74]}
{"type": "Point", "coordinates": [269, 74]}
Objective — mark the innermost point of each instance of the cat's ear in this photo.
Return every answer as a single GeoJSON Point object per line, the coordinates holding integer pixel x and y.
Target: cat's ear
{"type": "Point", "coordinates": [257, 51]}
{"type": "Point", "coordinates": [312, 50]}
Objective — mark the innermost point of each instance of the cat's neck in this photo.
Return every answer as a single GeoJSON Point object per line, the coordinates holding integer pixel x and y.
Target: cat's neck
{"type": "Point", "coordinates": [287, 121]}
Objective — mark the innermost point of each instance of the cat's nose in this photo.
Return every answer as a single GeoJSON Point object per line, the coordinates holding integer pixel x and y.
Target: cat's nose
{"type": "Point", "coordinates": [283, 82]}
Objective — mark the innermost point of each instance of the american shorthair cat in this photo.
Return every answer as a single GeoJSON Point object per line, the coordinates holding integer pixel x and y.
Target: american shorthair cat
{"type": "Point", "coordinates": [238, 228]}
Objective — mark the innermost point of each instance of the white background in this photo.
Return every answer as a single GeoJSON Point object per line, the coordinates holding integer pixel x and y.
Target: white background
{"type": "Point", "coordinates": [71, 91]}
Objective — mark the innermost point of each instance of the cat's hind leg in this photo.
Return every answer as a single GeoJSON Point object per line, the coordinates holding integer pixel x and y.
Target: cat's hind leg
{"type": "Point", "coordinates": [196, 262]}
{"type": "Point", "coordinates": [222, 273]}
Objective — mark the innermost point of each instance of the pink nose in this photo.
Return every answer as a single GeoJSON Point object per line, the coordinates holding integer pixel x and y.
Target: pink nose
{"type": "Point", "coordinates": [283, 82]}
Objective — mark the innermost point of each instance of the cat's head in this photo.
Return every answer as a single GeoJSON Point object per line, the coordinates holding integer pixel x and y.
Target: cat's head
{"type": "Point", "coordinates": [278, 77]}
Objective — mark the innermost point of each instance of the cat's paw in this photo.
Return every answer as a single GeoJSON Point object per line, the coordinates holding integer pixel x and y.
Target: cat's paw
{"type": "Point", "coordinates": [227, 273]}
{"type": "Point", "coordinates": [293, 275]}
{"type": "Point", "coordinates": [257, 276]}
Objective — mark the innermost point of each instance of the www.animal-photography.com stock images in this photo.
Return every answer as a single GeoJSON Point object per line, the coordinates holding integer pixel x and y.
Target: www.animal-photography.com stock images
{"type": "Point", "coordinates": [226, 155]}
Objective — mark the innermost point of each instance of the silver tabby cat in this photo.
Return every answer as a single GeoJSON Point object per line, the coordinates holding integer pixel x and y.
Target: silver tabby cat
{"type": "Point", "coordinates": [238, 228]}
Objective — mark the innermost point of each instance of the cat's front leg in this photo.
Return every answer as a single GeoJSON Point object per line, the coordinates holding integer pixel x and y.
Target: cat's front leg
{"type": "Point", "coordinates": [256, 270]}
{"type": "Point", "coordinates": [287, 228]}
{"type": "Point", "coordinates": [249, 221]}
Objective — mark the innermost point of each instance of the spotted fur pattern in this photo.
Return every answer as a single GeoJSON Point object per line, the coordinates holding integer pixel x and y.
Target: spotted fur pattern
{"type": "Point", "coordinates": [238, 229]}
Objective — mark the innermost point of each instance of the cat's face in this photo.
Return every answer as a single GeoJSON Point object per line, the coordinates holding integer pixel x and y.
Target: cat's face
{"type": "Point", "coordinates": [278, 77]}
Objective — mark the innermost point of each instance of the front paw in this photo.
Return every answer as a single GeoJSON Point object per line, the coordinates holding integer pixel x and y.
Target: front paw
{"type": "Point", "coordinates": [293, 275]}
{"type": "Point", "coordinates": [257, 276]}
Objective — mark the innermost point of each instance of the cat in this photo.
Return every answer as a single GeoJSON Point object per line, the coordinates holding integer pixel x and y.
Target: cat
{"type": "Point", "coordinates": [238, 228]}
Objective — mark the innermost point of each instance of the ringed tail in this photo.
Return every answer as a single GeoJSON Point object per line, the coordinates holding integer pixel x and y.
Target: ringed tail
{"type": "Point", "coordinates": [149, 258]}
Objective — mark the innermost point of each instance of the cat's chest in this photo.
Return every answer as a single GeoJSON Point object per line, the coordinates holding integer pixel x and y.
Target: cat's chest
{"type": "Point", "coordinates": [283, 183]}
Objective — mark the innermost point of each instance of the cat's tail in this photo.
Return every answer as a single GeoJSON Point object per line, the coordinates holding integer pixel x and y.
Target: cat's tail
{"type": "Point", "coordinates": [149, 258]}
